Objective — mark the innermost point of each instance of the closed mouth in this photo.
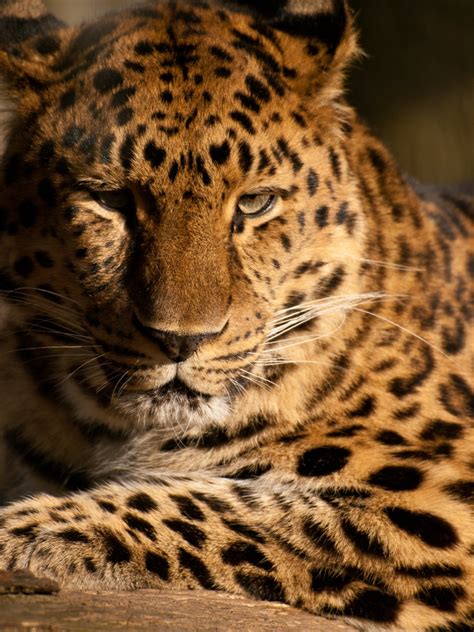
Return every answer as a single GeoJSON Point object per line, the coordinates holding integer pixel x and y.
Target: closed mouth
{"type": "Point", "coordinates": [178, 387]}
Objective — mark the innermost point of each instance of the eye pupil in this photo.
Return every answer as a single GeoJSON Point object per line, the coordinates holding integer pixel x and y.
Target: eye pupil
{"type": "Point", "coordinates": [256, 204]}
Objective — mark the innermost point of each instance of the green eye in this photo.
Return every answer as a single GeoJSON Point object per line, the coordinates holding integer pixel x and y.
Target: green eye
{"type": "Point", "coordinates": [256, 204]}
{"type": "Point", "coordinates": [115, 200]}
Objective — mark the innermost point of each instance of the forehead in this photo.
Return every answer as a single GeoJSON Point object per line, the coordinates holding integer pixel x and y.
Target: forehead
{"type": "Point", "coordinates": [164, 81]}
{"type": "Point", "coordinates": [175, 54]}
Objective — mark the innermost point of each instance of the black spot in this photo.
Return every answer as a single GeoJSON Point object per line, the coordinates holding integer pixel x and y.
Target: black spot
{"type": "Point", "coordinates": [250, 471]}
{"type": "Point", "coordinates": [430, 571]}
{"type": "Point", "coordinates": [154, 155]}
{"type": "Point", "coordinates": [313, 182]}
{"type": "Point", "coordinates": [323, 461]}
{"type": "Point", "coordinates": [127, 152]}
{"type": "Point", "coordinates": [244, 530]}
{"type": "Point", "coordinates": [377, 160]}
{"type": "Point", "coordinates": [27, 213]}
{"type": "Point", "coordinates": [373, 605]}
{"type": "Point", "coordinates": [333, 580]}
{"type": "Point", "coordinates": [243, 120]}
{"type": "Point", "coordinates": [457, 396]}
{"type": "Point", "coordinates": [442, 598]}
{"type": "Point", "coordinates": [142, 502]}
{"type": "Point", "coordinates": [144, 48]}
{"type": "Point", "coordinates": [136, 67]}
{"type": "Point", "coordinates": [439, 429]}
{"type": "Point", "coordinates": [138, 524]}
{"type": "Point", "coordinates": [342, 213]}
{"type": "Point", "coordinates": [27, 531]}
{"type": "Point", "coordinates": [461, 490]}
{"type": "Point", "coordinates": [47, 152]}
{"type": "Point", "coordinates": [240, 552]}
{"type": "Point", "coordinates": [223, 72]}
{"type": "Point", "coordinates": [346, 431]}
{"type": "Point", "coordinates": [44, 259]}
{"type": "Point", "coordinates": [431, 529]}
{"type": "Point", "coordinates": [248, 102]}
{"type": "Point", "coordinates": [107, 506]}
{"type": "Point", "coordinates": [166, 96]}
{"type": "Point", "coordinates": [335, 163]}
{"type": "Point", "coordinates": [216, 504]}
{"type": "Point", "coordinates": [107, 79]}
{"type": "Point", "coordinates": [343, 495]}
{"type": "Point", "coordinates": [47, 45]}
{"type": "Point", "coordinates": [24, 267]}
{"type": "Point", "coordinates": [73, 135]}
{"type": "Point", "coordinates": [124, 116]}
{"type": "Point", "coordinates": [47, 192]}
{"type": "Point", "coordinates": [73, 535]}
{"type": "Point", "coordinates": [285, 242]}
{"type": "Point", "coordinates": [405, 413]}
{"type": "Point", "coordinates": [173, 171]}
{"type": "Point", "coordinates": [122, 97]}
{"type": "Point", "coordinates": [321, 216]}
{"type": "Point", "coordinates": [116, 551]}
{"type": "Point", "coordinates": [319, 536]}
{"type": "Point", "coordinates": [68, 99]}
{"type": "Point", "coordinates": [245, 157]}
{"type": "Point", "coordinates": [188, 508]}
{"type": "Point", "coordinates": [397, 478]}
{"type": "Point", "coordinates": [158, 565]}
{"type": "Point", "coordinates": [260, 586]}
{"type": "Point", "coordinates": [198, 569]}
{"type": "Point", "coordinates": [200, 166]}
{"type": "Point", "coordinates": [220, 153]}
{"type": "Point", "coordinates": [390, 437]}
{"type": "Point", "coordinates": [362, 541]}
{"type": "Point", "coordinates": [90, 565]}
{"type": "Point", "coordinates": [365, 408]}
{"type": "Point", "coordinates": [403, 386]}
{"type": "Point", "coordinates": [188, 531]}
{"type": "Point", "coordinates": [257, 89]}
{"type": "Point", "coordinates": [299, 120]}
{"type": "Point", "coordinates": [220, 53]}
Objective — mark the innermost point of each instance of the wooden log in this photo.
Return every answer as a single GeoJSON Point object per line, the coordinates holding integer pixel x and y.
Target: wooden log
{"type": "Point", "coordinates": [160, 611]}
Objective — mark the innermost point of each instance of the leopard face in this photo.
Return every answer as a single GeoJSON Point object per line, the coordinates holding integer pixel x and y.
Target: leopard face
{"type": "Point", "coordinates": [178, 187]}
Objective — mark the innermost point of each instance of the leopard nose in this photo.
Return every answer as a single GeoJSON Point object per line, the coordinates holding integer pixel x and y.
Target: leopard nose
{"type": "Point", "coordinates": [175, 347]}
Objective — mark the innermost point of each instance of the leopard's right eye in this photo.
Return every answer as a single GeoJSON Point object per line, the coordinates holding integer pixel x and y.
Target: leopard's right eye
{"type": "Point", "coordinates": [121, 200]}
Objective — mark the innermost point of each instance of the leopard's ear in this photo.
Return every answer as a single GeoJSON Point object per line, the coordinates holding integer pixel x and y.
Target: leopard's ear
{"type": "Point", "coordinates": [29, 43]}
{"type": "Point", "coordinates": [318, 36]}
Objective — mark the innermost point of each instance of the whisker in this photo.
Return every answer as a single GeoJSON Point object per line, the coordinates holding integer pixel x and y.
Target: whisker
{"type": "Point", "coordinates": [385, 264]}
{"type": "Point", "coordinates": [291, 322]}
{"type": "Point", "coordinates": [408, 331]}
{"type": "Point", "coordinates": [84, 364]}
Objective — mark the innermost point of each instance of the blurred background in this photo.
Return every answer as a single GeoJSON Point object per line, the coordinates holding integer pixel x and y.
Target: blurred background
{"type": "Point", "coordinates": [415, 87]}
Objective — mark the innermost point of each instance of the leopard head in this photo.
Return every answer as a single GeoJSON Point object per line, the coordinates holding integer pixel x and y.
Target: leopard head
{"type": "Point", "coordinates": [176, 195]}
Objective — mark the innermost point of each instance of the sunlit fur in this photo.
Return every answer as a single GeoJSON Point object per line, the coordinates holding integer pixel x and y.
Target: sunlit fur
{"type": "Point", "coordinates": [313, 445]}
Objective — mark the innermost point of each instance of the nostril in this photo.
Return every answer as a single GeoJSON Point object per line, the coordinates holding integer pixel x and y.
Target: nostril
{"type": "Point", "coordinates": [175, 347]}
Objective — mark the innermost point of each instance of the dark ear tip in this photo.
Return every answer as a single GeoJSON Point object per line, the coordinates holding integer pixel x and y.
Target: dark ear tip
{"type": "Point", "coordinates": [324, 20]}
{"type": "Point", "coordinates": [267, 9]}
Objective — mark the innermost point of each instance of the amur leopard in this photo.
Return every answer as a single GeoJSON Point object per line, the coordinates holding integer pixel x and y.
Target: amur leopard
{"type": "Point", "coordinates": [236, 342]}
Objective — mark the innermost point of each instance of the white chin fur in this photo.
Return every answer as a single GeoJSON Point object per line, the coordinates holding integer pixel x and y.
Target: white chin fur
{"type": "Point", "coordinates": [174, 413]}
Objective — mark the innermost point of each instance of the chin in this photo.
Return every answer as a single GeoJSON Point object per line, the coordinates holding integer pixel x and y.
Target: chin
{"type": "Point", "coordinates": [174, 411]}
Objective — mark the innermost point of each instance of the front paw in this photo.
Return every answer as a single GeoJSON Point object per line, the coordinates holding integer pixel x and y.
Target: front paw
{"type": "Point", "coordinates": [38, 535]}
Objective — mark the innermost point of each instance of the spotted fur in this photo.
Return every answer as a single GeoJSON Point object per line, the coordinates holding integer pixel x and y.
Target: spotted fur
{"type": "Point", "coordinates": [278, 405]}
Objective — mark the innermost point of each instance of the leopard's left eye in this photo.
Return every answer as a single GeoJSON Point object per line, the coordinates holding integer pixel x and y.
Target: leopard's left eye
{"type": "Point", "coordinates": [256, 204]}
{"type": "Point", "coordinates": [120, 200]}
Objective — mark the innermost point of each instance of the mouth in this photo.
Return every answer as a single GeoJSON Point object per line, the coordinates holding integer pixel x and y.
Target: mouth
{"type": "Point", "coordinates": [176, 388]}
{"type": "Point", "coordinates": [175, 391]}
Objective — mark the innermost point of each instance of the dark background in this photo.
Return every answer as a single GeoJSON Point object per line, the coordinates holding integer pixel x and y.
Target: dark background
{"type": "Point", "coordinates": [415, 87]}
